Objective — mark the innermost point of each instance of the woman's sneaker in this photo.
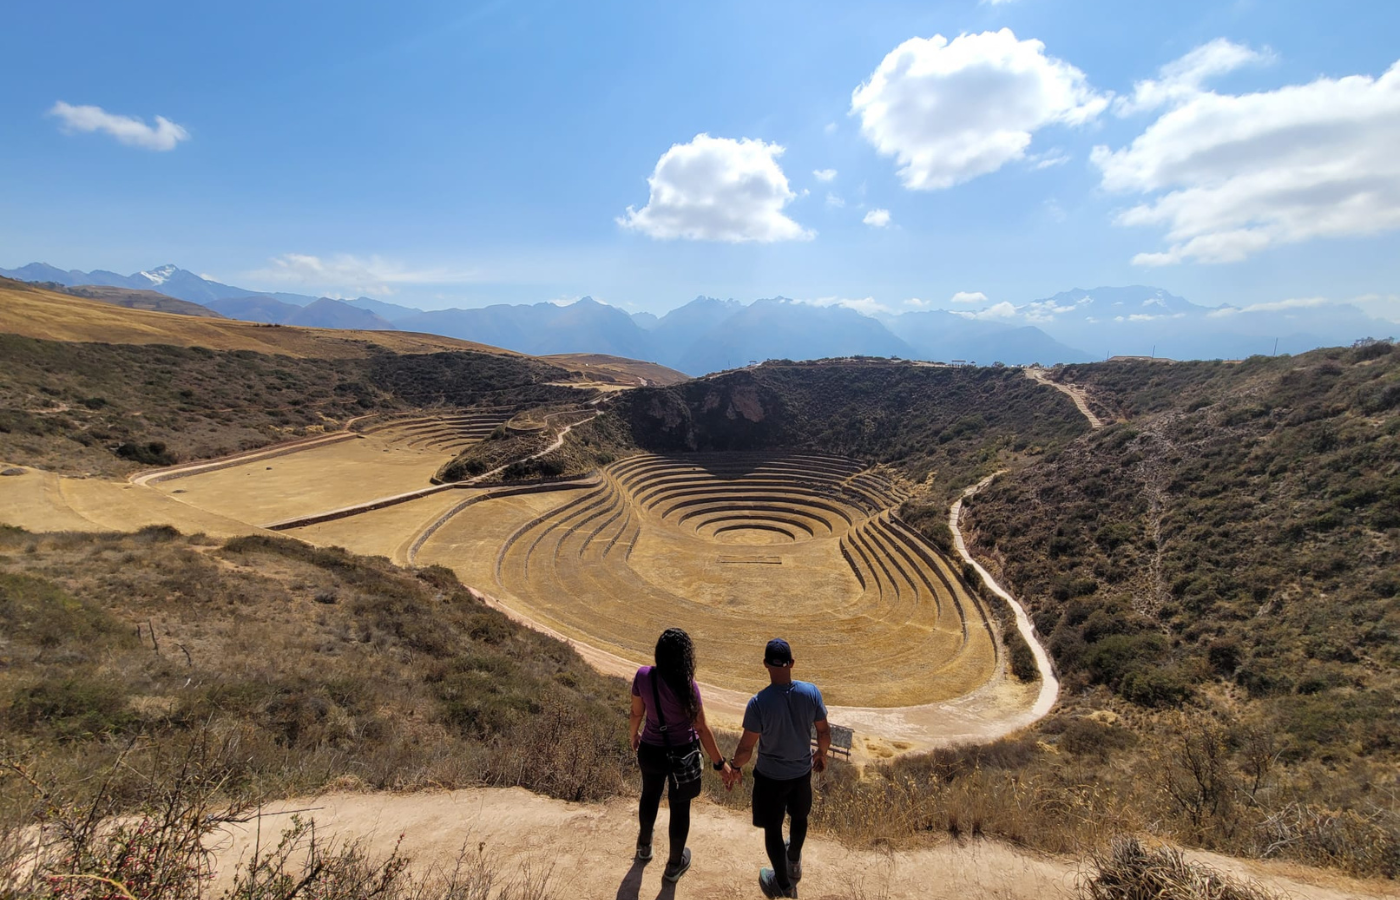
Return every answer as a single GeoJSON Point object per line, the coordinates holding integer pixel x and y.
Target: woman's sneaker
{"type": "Point", "coordinates": [644, 852]}
{"type": "Point", "coordinates": [768, 883]}
{"type": "Point", "coordinates": [674, 870]}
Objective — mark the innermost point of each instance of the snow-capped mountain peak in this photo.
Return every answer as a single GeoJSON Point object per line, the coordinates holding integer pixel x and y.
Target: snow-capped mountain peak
{"type": "Point", "coordinates": [159, 276]}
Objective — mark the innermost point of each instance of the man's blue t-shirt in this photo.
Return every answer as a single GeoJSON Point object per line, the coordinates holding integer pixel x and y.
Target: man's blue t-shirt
{"type": "Point", "coordinates": [782, 716]}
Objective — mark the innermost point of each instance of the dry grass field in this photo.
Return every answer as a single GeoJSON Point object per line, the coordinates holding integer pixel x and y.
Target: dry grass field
{"type": "Point", "coordinates": [34, 312]}
{"type": "Point", "coordinates": [617, 370]}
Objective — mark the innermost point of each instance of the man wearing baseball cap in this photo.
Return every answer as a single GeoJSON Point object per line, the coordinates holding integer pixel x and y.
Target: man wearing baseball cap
{"type": "Point", "coordinates": [779, 720]}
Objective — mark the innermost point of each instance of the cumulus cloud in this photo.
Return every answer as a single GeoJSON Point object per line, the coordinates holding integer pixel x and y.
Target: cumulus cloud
{"type": "Point", "coordinates": [969, 297]}
{"type": "Point", "coordinates": [949, 111]}
{"type": "Point", "coordinates": [1229, 176]}
{"type": "Point", "coordinates": [834, 201]}
{"type": "Point", "coordinates": [824, 174]}
{"type": "Point", "coordinates": [133, 132]}
{"type": "Point", "coordinates": [916, 303]}
{"type": "Point", "coordinates": [1186, 77]}
{"type": "Point", "coordinates": [877, 218]}
{"type": "Point", "coordinates": [347, 272]}
{"type": "Point", "coordinates": [718, 189]}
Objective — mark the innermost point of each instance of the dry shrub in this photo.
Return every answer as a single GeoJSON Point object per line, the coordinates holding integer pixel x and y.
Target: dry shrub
{"type": "Point", "coordinates": [1130, 871]}
{"type": "Point", "coordinates": [302, 864]}
{"type": "Point", "coordinates": [1006, 790]}
{"type": "Point", "coordinates": [158, 850]}
{"type": "Point", "coordinates": [563, 752]}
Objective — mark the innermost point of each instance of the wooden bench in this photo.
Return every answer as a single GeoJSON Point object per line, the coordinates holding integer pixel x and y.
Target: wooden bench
{"type": "Point", "coordinates": [841, 738]}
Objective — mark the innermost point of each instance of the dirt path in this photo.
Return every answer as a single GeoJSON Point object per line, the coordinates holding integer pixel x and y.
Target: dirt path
{"type": "Point", "coordinates": [558, 442]}
{"type": "Point", "coordinates": [586, 852]}
{"type": "Point", "coordinates": [1073, 391]}
{"type": "Point", "coordinates": [1049, 684]}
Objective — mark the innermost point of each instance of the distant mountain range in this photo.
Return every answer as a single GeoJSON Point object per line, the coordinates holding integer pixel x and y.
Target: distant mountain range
{"type": "Point", "coordinates": [707, 335]}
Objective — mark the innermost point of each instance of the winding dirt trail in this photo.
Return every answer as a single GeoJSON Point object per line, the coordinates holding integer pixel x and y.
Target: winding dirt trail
{"type": "Point", "coordinates": [585, 850]}
{"type": "Point", "coordinates": [1049, 684]}
{"type": "Point", "coordinates": [1073, 391]}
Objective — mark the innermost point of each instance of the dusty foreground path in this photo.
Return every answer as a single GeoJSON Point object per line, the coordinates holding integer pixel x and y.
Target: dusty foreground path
{"type": "Point", "coordinates": [586, 849]}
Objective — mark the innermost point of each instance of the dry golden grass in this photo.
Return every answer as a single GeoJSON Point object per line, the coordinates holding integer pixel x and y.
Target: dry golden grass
{"type": "Point", "coordinates": [602, 367]}
{"type": "Point", "coordinates": [34, 312]}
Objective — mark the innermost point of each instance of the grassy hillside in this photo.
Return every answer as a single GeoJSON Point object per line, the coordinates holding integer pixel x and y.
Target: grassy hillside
{"type": "Point", "coordinates": [323, 666]}
{"type": "Point", "coordinates": [134, 299]}
{"type": "Point", "coordinates": [111, 409]}
{"type": "Point", "coordinates": [951, 425]}
{"type": "Point", "coordinates": [37, 313]}
{"type": "Point", "coordinates": [1241, 530]}
{"type": "Point", "coordinates": [616, 369]}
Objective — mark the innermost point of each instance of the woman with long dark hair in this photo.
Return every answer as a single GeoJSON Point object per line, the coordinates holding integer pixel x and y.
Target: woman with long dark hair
{"type": "Point", "coordinates": [666, 699]}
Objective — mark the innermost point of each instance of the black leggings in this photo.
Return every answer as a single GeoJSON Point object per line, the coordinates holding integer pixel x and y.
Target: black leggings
{"type": "Point", "coordinates": [655, 767]}
{"type": "Point", "coordinates": [772, 801]}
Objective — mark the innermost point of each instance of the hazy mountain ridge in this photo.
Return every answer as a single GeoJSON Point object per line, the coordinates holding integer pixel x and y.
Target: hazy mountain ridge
{"type": "Point", "coordinates": [708, 334]}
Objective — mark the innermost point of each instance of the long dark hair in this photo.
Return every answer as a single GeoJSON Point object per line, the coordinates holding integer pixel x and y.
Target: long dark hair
{"type": "Point", "coordinates": [675, 663]}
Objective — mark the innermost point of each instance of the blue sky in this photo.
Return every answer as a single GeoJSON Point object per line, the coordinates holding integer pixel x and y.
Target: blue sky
{"type": "Point", "coordinates": [446, 154]}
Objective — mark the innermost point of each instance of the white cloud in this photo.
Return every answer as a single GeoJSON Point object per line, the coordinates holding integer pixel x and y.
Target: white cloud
{"type": "Point", "coordinates": [950, 111]}
{"type": "Point", "coordinates": [916, 303]}
{"type": "Point", "coordinates": [834, 201]}
{"type": "Point", "coordinates": [1379, 306]}
{"type": "Point", "coordinates": [718, 189]}
{"type": "Point", "coordinates": [1148, 317]}
{"type": "Point", "coordinates": [1002, 310]}
{"type": "Point", "coordinates": [877, 218]}
{"type": "Point", "coordinates": [1049, 159]}
{"type": "Point", "coordinates": [969, 297]}
{"type": "Point", "coordinates": [824, 174]}
{"type": "Point", "coordinates": [1270, 306]}
{"type": "Point", "coordinates": [1229, 176]}
{"type": "Point", "coordinates": [347, 272]}
{"type": "Point", "coordinates": [164, 135]}
{"type": "Point", "coordinates": [866, 305]}
{"type": "Point", "coordinates": [1185, 78]}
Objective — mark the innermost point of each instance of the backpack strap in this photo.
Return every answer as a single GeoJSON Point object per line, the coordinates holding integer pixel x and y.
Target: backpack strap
{"type": "Point", "coordinates": [656, 703]}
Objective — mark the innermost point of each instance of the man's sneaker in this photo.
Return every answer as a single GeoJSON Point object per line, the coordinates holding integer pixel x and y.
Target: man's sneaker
{"type": "Point", "coordinates": [768, 883]}
{"type": "Point", "coordinates": [644, 852]}
{"type": "Point", "coordinates": [794, 865]}
{"type": "Point", "coordinates": [674, 870]}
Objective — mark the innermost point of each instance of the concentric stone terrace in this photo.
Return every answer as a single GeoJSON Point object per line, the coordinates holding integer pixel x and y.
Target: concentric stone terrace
{"type": "Point", "coordinates": [450, 433]}
{"type": "Point", "coordinates": [736, 548]}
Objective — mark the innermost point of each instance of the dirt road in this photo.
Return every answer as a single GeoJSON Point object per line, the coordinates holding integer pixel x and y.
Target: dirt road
{"type": "Point", "coordinates": [586, 852]}
{"type": "Point", "coordinates": [1073, 391]}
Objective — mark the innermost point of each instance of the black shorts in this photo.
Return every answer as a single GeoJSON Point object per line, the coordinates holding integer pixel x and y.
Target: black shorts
{"type": "Point", "coordinates": [773, 798]}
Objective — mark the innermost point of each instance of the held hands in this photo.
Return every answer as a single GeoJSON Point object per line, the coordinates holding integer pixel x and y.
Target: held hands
{"type": "Point", "coordinates": [731, 776]}
{"type": "Point", "coordinates": [818, 761]}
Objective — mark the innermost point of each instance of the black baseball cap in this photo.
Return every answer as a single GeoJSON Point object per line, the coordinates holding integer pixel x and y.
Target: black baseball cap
{"type": "Point", "coordinates": [777, 653]}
